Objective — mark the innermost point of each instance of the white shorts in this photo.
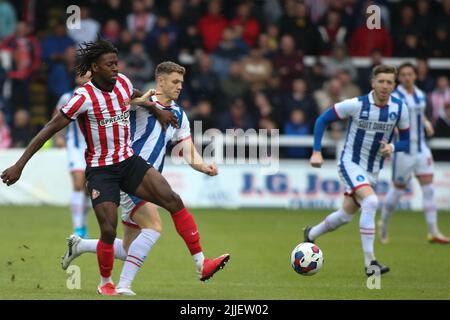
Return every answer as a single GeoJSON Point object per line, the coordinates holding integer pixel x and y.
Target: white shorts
{"type": "Point", "coordinates": [404, 165]}
{"type": "Point", "coordinates": [76, 158]}
{"type": "Point", "coordinates": [354, 176]}
{"type": "Point", "coordinates": [129, 206]}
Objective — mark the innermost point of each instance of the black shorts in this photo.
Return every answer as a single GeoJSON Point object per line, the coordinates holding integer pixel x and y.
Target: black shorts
{"type": "Point", "coordinates": [104, 183]}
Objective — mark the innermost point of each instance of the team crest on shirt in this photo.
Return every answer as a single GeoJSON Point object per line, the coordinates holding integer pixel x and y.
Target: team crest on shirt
{"type": "Point", "coordinates": [95, 194]}
{"type": "Point", "coordinates": [393, 116]}
{"type": "Point", "coordinates": [364, 114]}
{"type": "Point", "coordinates": [360, 178]}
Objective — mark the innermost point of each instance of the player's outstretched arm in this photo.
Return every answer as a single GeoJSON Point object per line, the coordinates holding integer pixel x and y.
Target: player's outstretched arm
{"type": "Point", "coordinates": [325, 119]}
{"type": "Point", "coordinates": [13, 173]}
{"type": "Point", "coordinates": [164, 117]}
{"type": "Point", "coordinates": [195, 160]}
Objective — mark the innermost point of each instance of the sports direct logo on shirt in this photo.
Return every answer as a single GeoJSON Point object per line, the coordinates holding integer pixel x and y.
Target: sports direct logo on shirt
{"type": "Point", "coordinates": [374, 125]}
{"type": "Point", "coordinates": [124, 117]}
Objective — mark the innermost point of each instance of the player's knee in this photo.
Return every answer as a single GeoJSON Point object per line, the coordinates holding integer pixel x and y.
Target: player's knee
{"type": "Point", "coordinates": [108, 234]}
{"type": "Point", "coordinates": [428, 191]}
{"type": "Point", "coordinates": [345, 217]}
{"type": "Point", "coordinates": [370, 203]}
{"type": "Point", "coordinates": [153, 223]}
{"type": "Point", "coordinates": [173, 202]}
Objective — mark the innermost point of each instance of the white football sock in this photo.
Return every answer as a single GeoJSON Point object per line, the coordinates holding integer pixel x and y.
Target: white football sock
{"type": "Point", "coordinates": [137, 253]}
{"type": "Point", "coordinates": [104, 281]}
{"type": "Point", "coordinates": [367, 227]}
{"type": "Point", "coordinates": [198, 259]}
{"type": "Point", "coordinates": [429, 207]}
{"type": "Point", "coordinates": [330, 223]}
{"type": "Point", "coordinates": [77, 207]}
{"type": "Point", "coordinates": [390, 203]}
{"type": "Point", "coordinates": [90, 245]}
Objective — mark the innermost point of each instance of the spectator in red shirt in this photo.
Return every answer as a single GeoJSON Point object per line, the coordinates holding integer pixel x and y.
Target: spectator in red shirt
{"type": "Point", "coordinates": [26, 56]}
{"type": "Point", "coordinates": [250, 26]}
{"type": "Point", "coordinates": [364, 41]}
{"type": "Point", "coordinates": [211, 26]}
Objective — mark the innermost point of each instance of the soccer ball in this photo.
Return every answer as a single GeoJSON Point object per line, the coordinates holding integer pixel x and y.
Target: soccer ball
{"type": "Point", "coordinates": [307, 258]}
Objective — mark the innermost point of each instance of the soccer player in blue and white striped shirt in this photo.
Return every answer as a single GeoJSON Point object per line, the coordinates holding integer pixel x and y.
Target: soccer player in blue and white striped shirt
{"type": "Point", "coordinates": [371, 122]}
{"type": "Point", "coordinates": [418, 160]}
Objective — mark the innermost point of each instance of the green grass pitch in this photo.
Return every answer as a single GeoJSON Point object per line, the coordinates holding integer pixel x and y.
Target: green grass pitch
{"type": "Point", "coordinates": [259, 241]}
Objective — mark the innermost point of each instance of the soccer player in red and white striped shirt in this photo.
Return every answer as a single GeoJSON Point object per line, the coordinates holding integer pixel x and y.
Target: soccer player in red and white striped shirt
{"type": "Point", "coordinates": [101, 107]}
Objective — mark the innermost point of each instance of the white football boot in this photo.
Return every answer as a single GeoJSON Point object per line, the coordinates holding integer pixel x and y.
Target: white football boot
{"type": "Point", "coordinates": [125, 291]}
{"type": "Point", "coordinates": [71, 252]}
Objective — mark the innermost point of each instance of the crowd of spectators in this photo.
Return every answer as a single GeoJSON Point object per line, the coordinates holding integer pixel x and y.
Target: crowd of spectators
{"type": "Point", "coordinates": [244, 59]}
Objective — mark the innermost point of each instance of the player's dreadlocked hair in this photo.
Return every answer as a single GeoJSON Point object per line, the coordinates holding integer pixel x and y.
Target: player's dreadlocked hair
{"type": "Point", "coordinates": [90, 52]}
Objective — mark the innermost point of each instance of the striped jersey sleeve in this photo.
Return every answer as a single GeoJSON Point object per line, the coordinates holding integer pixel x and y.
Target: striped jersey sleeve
{"type": "Point", "coordinates": [76, 105]}
{"type": "Point", "coordinates": [403, 123]}
{"type": "Point", "coordinates": [184, 131]}
{"type": "Point", "coordinates": [346, 108]}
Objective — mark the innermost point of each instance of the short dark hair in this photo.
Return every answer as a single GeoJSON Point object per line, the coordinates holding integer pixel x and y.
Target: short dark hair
{"type": "Point", "coordinates": [383, 68]}
{"type": "Point", "coordinates": [167, 67]}
{"type": "Point", "coordinates": [89, 52]}
{"type": "Point", "coordinates": [407, 65]}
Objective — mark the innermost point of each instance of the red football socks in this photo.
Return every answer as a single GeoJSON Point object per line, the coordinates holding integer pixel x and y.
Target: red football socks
{"type": "Point", "coordinates": [105, 257]}
{"type": "Point", "coordinates": [187, 229]}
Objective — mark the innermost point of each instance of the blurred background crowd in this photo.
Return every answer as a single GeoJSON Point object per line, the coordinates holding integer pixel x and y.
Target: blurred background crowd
{"type": "Point", "coordinates": [245, 60]}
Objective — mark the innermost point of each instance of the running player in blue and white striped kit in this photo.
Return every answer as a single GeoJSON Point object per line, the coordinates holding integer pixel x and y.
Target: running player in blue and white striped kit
{"type": "Point", "coordinates": [418, 160]}
{"type": "Point", "coordinates": [372, 120]}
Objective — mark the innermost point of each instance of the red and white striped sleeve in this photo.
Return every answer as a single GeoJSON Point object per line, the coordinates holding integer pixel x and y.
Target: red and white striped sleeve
{"type": "Point", "coordinates": [75, 106]}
